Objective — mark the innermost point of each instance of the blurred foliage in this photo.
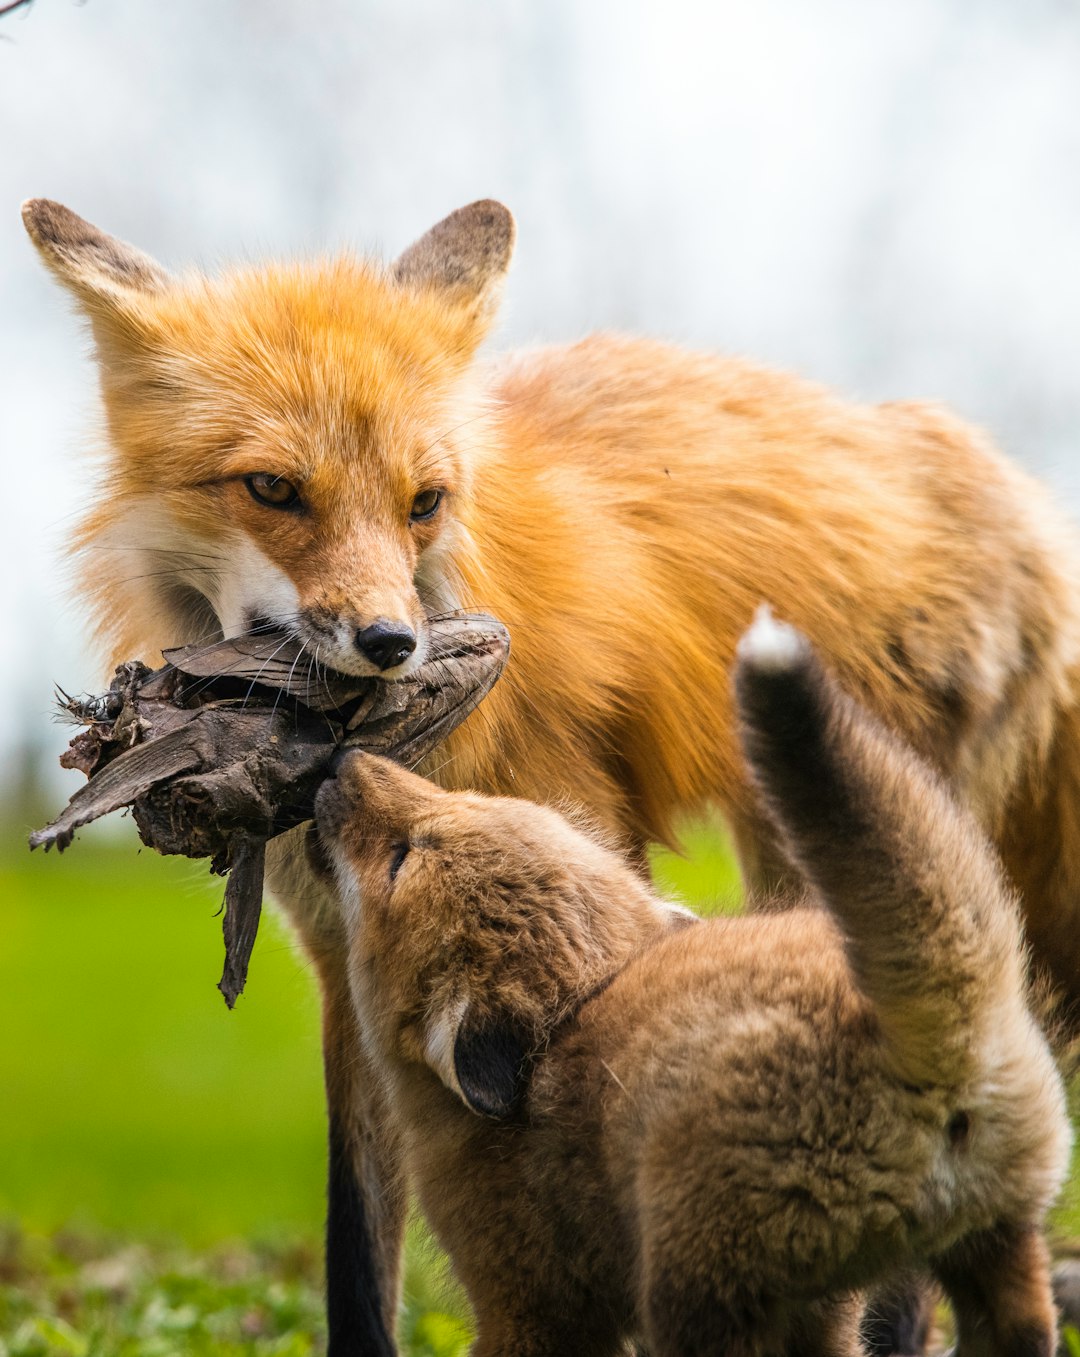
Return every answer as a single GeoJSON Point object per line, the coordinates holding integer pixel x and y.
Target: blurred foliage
{"type": "Point", "coordinates": [92, 1296]}
{"type": "Point", "coordinates": [88, 1294]}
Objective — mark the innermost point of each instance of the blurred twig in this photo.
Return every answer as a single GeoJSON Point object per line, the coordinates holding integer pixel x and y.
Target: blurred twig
{"type": "Point", "coordinates": [15, 4]}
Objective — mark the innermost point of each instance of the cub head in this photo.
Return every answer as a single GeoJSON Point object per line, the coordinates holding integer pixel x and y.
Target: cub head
{"type": "Point", "coordinates": [288, 445]}
{"type": "Point", "coordinates": [475, 923]}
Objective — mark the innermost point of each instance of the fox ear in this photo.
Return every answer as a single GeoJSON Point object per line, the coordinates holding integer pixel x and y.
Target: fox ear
{"type": "Point", "coordinates": [484, 1059]}
{"type": "Point", "coordinates": [100, 270]}
{"type": "Point", "coordinates": [466, 255]}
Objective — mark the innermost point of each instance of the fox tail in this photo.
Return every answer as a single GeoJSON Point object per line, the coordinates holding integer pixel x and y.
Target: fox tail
{"type": "Point", "coordinates": [931, 928]}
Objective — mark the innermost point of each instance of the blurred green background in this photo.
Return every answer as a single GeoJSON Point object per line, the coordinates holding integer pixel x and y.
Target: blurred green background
{"type": "Point", "coordinates": [136, 1112]}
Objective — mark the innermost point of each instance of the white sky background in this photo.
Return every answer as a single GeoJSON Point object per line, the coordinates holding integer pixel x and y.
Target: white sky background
{"type": "Point", "coordinates": [884, 196]}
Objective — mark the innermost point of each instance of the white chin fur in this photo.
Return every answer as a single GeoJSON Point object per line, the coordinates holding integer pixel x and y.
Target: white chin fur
{"type": "Point", "coordinates": [770, 645]}
{"type": "Point", "coordinates": [250, 584]}
{"type": "Point", "coordinates": [237, 580]}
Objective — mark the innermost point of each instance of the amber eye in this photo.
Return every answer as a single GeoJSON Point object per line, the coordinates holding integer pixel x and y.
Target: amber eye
{"type": "Point", "coordinates": [425, 504]}
{"type": "Point", "coordinates": [275, 491]}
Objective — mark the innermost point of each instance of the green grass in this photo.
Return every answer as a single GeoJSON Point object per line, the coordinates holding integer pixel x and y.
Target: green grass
{"type": "Point", "coordinates": [89, 1294]}
{"type": "Point", "coordinates": [92, 1295]}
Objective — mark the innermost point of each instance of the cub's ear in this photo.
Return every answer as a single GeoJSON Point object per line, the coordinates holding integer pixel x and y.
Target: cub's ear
{"type": "Point", "coordinates": [466, 255]}
{"type": "Point", "coordinates": [491, 1063]}
{"type": "Point", "coordinates": [99, 269]}
{"type": "Point", "coordinates": [484, 1059]}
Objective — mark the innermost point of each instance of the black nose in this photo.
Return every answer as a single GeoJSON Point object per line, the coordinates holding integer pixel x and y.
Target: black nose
{"type": "Point", "coordinates": [386, 643]}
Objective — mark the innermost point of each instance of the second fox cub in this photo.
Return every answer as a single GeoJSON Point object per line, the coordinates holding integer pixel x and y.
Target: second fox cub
{"type": "Point", "coordinates": [318, 446]}
{"type": "Point", "coordinates": [709, 1135]}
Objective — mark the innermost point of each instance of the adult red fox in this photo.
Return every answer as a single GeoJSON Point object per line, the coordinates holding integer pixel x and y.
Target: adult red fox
{"type": "Point", "coordinates": [317, 446]}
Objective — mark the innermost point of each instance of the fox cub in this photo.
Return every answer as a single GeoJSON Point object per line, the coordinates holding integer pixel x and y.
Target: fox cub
{"type": "Point", "coordinates": [709, 1135]}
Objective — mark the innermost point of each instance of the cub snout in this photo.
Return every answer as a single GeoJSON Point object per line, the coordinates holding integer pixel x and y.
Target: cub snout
{"type": "Point", "coordinates": [366, 801]}
{"type": "Point", "coordinates": [331, 809]}
{"type": "Point", "coordinates": [341, 797]}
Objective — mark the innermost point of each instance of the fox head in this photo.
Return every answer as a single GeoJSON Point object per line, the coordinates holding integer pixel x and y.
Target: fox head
{"type": "Point", "coordinates": [484, 920]}
{"type": "Point", "coordinates": [288, 445]}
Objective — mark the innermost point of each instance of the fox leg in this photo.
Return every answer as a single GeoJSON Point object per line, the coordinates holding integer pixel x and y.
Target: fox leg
{"type": "Point", "coordinates": [698, 1311]}
{"type": "Point", "coordinates": [898, 1316]}
{"type": "Point", "coordinates": [685, 1321]}
{"type": "Point", "coordinates": [999, 1285]}
{"type": "Point", "coordinates": [686, 1329]}
{"type": "Point", "coordinates": [828, 1328]}
{"type": "Point", "coordinates": [366, 1197]}
{"type": "Point", "coordinates": [365, 1207]}
{"type": "Point", "coordinates": [1040, 844]}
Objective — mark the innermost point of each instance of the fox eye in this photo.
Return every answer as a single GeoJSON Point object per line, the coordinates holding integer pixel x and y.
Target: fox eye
{"type": "Point", "coordinates": [275, 491]}
{"type": "Point", "coordinates": [401, 852]}
{"type": "Point", "coordinates": [425, 504]}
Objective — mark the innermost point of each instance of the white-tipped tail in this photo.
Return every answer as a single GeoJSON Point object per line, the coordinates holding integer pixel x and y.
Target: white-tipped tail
{"type": "Point", "coordinates": [931, 930]}
{"type": "Point", "coordinates": [769, 645]}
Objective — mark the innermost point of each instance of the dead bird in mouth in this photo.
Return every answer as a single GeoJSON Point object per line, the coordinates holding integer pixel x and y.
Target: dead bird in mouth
{"type": "Point", "coordinates": [225, 746]}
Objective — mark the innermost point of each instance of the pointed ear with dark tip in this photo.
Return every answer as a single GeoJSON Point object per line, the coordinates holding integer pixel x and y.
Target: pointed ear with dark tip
{"type": "Point", "coordinates": [466, 255]}
{"type": "Point", "coordinates": [97, 268]}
